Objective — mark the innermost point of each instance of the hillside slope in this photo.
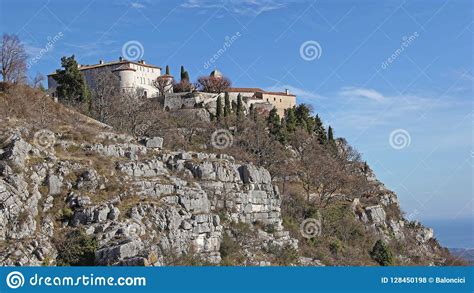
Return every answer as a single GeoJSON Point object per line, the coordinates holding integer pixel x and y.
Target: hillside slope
{"type": "Point", "coordinates": [73, 192]}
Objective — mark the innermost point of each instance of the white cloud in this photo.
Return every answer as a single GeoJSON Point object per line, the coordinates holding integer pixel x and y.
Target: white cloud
{"type": "Point", "coordinates": [362, 93]}
{"type": "Point", "coordinates": [137, 5]}
{"type": "Point", "coordinates": [241, 7]}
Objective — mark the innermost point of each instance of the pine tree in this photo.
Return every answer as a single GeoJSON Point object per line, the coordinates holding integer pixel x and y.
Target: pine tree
{"type": "Point", "coordinates": [381, 254]}
{"type": "Point", "coordinates": [186, 76]}
{"type": "Point", "coordinates": [240, 109]}
{"type": "Point", "coordinates": [319, 130]}
{"type": "Point", "coordinates": [72, 85]}
{"type": "Point", "coordinates": [167, 70]}
{"type": "Point", "coordinates": [290, 118]}
{"type": "Point", "coordinates": [219, 109]}
{"type": "Point", "coordinates": [273, 122]}
{"type": "Point", "coordinates": [227, 109]}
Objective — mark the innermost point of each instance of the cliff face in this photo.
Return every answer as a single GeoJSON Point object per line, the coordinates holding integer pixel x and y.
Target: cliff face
{"type": "Point", "coordinates": [143, 205]}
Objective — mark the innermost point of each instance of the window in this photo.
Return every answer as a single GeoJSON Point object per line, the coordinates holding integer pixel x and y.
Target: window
{"type": "Point", "coordinates": [274, 99]}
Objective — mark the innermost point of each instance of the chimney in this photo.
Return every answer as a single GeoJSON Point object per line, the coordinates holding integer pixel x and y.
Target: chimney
{"type": "Point", "coordinates": [142, 61]}
{"type": "Point", "coordinates": [287, 91]}
{"type": "Point", "coordinates": [101, 61]}
{"type": "Point", "coordinates": [120, 58]}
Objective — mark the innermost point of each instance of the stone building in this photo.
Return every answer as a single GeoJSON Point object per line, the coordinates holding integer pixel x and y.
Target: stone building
{"type": "Point", "coordinates": [280, 100]}
{"type": "Point", "coordinates": [261, 98]}
{"type": "Point", "coordinates": [131, 75]}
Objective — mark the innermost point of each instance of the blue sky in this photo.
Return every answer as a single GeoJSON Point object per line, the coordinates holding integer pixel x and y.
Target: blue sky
{"type": "Point", "coordinates": [422, 96]}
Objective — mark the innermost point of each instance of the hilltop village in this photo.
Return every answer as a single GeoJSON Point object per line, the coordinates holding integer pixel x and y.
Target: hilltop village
{"type": "Point", "coordinates": [150, 80]}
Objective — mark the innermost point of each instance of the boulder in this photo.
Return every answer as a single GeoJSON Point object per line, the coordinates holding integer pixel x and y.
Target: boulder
{"type": "Point", "coordinates": [376, 214]}
{"type": "Point", "coordinates": [155, 142]}
{"type": "Point", "coordinates": [113, 254]}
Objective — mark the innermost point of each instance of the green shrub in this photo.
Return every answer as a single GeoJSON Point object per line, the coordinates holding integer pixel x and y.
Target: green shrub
{"type": "Point", "coordinates": [381, 254]}
{"type": "Point", "coordinates": [75, 248]}
{"type": "Point", "coordinates": [284, 256]}
{"type": "Point", "coordinates": [230, 252]}
{"type": "Point", "coordinates": [334, 247]}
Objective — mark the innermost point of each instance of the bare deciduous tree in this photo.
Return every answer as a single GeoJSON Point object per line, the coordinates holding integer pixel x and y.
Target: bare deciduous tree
{"type": "Point", "coordinates": [105, 92]}
{"type": "Point", "coordinates": [163, 84]}
{"type": "Point", "coordinates": [211, 84]}
{"type": "Point", "coordinates": [38, 80]}
{"type": "Point", "coordinates": [13, 59]}
{"type": "Point", "coordinates": [183, 86]}
{"type": "Point", "coordinates": [317, 169]}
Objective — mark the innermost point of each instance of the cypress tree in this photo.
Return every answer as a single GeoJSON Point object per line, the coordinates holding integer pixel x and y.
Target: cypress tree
{"type": "Point", "coordinates": [167, 69]}
{"type": "Point", "coordinates": [183, 77]}
{"type": "Point", "coordinates": [330, 135]}
{"type": "Point", "coordinates": [253, 112]}
{"type": "Point", "coordinates": [283, 133]}
{"type": "Point", "coordinates": [186, 76]}
{"type": "Point", "coordinates": [290, 120]}
{"type": "Point", "coordinates": [239, 106]}
{"type": "Point", "coordinates": [331, 140]}
{"type": "Point", "coordinates": [227, 109]}
{"type": "Point", "coordinates": [219, 109]}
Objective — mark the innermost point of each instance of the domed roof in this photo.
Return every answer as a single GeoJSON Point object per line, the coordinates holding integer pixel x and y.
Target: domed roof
{"type": "Point", "coordinates": [216, 73]}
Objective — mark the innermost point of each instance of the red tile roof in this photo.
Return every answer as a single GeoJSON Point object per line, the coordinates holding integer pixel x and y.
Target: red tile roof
{"type": "Point", "coordinates": [255, 90]}
{"type": "Point", "coordinates": [279, 94]}
{"type": "Point", "coordinates": [244, 90]}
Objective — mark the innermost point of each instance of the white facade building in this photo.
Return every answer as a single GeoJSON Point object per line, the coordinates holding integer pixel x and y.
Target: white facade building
{"type": "Point", "coordinates": [131, 75]}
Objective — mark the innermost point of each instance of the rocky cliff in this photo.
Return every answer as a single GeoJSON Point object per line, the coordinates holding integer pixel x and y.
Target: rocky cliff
{"type": "Point", "coordinates": [143, 205]}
